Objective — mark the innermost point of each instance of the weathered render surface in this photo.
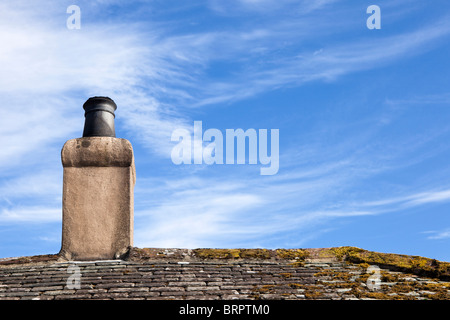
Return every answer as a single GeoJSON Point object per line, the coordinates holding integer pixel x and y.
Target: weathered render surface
{"type": "Point", "coordinates": [331, 273]}
{"type": "Point", "coordinates": [98, 183]}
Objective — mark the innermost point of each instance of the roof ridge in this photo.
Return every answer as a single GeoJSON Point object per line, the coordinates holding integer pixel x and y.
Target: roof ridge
{"type": "Point", "coordinates": [347, 254]}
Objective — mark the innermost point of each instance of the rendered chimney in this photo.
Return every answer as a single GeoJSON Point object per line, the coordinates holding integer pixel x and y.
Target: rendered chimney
{"type": "Point", "coordinates": [98, 188]}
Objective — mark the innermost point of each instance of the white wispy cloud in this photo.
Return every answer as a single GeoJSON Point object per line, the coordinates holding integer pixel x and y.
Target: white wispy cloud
{"type": "Point", "coordinates": [410, 200]}
{"type": "Point", "coordinates": [302, 64]}
{"type": "Point", "coordinates": [263, 6]}
{"type": "Point", "coordinates": [30, 214]}
{"type": "Point", "coordinates": [47, 71]}
{"type": "Point", "coordinates": [432, 99]}
{"type": "Point", "coordinates": [305, 197]}
{"type": "Point", "coordinates": [46, 182]}
{"type": "Point", "coordinates": [202, 211]}
{"type": "Point", "coordinates": [210, 216]}
{"type": "Point", "coordinates": [197, 214]}
{"type": "Point", "coordinates": [438, 234]}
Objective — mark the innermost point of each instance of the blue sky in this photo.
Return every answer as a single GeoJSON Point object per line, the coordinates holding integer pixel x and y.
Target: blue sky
{"type": "Point", "coordinates": [363, 119]}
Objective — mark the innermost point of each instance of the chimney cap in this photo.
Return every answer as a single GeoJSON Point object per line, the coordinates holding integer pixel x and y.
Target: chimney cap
{"type": "Point", "coordinates": [100, 104]}
{"type": "Point", "coordinates": [99, 117]}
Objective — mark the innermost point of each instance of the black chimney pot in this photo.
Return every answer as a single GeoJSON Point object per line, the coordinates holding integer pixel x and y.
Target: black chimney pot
{"type": "Point", "coordinates": [99, 117]}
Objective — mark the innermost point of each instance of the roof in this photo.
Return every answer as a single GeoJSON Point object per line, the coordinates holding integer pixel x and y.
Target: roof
{"type": "Point", "coordinates": [342, 273]}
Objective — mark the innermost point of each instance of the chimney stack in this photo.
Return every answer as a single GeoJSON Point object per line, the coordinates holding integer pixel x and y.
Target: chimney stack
{"type": "Point", "coordinates": [98, 188]}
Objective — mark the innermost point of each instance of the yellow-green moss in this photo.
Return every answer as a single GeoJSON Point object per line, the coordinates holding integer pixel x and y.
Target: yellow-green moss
{"type": "Point", "coordinates": [313, 294]}
{"type": "Point", "coordinates": [436, 286]}
{"type": "Point", "coordinates": [285, 275]}
{"type": "Point", "coordinates": [296, 285]}
{"type": "Point", "coordinates": [297, 264]}
{"type": "Point", "coordinates": [413, 264]}
{"type": "Point", "coordinates": [363, 277]}
{"type": "Point", "coordinates": [358, 293]}
{"type": "Point", "coordinates": [254, 254]}
{"type": "Point", "coordinates": [364, 265]}
{"type": "Point", "coordinates": [292, 254]}
{"type": "Point", "coordinates": [342, 252]}
{"type": "Point", "coordinates": [217, 253]}
{"type": "Point", "coordinates": [388, 277]}
{"type": "Point", "coordinates": [232, 253]}
{"type": "Point", "coordinates": [257, 291]}
{"type": "Point", "coordinates": [385, 294]}
{"type": "Point", "coordinates": [265, 289]}
{"type": "Point", "coordinates": [437, 296]}
{"type": "Point", "coordinates": [403, 287]}
{"type": "Point", "coordinates": [334, 275]}
{"type": "Point", "coordinates": [339, 285]}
